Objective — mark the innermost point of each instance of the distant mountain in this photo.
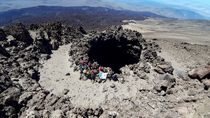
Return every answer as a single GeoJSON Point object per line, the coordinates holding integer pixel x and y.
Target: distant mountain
{"type": "Point", "coordinates": [89, 17]}
{"type": "Point", "coordinates": [168, 10]}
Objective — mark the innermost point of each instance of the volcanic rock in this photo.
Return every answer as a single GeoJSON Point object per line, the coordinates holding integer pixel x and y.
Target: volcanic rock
{"type": "Point", "coordinates": [149, 55]}
{"type": "Point", "coordinates": [200, 73]}
{"type": "Point", "coordinates": [2, 35]}
{"type": "Point", "coordinates": [22, 96]}
{"type": "Point", "coordinates": [20, 33]}
{"type": "Point", "coordinates": [113, 48]}
{"type": "Point", "coordinates": [43, 46]}
{"type": "Point", "coordinates": [5, 82]}
{"type": "Point", "coordinates": [3, 52]}
{"type": "Point", "coordinates": [206, 83]}
{"type": "Point", "coordinates": [81, 29]}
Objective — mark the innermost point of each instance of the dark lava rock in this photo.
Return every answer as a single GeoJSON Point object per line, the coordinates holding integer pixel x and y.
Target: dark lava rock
{"type": "Point", "coordinates": [19, 75]}
{"type": "Point", "coordinates": [149, 55]}
{"type": "Point", "coordinates": [68, 74]}
{"type": "Point", "coordinates": [3, 52]}
{"type": "Point", "coordinates": [5, 82]}
{"type": "Point", "coordinates": [113, 48]}
{"type": "Point", "coordinates": [81, 29]}
{"type": "Point", "coordinates": [33, 74]}
{"type": "Point", "coordinates": [2, 35]}
{"type": "Point", "coordinates": [43, 46]}
{"type": "Point", "coordinates": [9, 106]}
{"type": "Point", "coordinates": [33, 26]}
{"type": "Point", "coordinates": [19, 32]}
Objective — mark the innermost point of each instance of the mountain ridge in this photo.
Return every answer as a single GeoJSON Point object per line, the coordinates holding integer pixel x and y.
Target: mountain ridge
{"type": "Point", "coordinates": [85, 16]}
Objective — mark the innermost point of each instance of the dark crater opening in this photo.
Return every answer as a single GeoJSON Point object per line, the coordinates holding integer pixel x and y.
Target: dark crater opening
{"type": "Point", "coordinates": [114, 52]}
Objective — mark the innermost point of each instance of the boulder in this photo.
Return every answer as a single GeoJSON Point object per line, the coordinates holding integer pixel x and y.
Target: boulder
{"type": "Point", "coordinates": [81, 29]}
{"type": "Point", "coordinates": [9, 102]}
{"type": "Point", "coordinates": [3, 52]}
{"type": "Point", "coordinates": [206, 83]}
{"type": "Point", "coordinates": [33, 74]}
{"type": "Point", "coordinates": [19, 32]}
{"type": "Point", "coordinates": [2, 35]}
{"type": "Point", "coordinates": [43, 46]}
{"type": "Point", "coordinates": [200, 73]}
{"type": "Point", "coordinates": [5, 82]}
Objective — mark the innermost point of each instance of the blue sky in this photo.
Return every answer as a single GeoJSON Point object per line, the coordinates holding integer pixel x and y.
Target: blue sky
{"type": "Point", "coordinates": [200, 6]}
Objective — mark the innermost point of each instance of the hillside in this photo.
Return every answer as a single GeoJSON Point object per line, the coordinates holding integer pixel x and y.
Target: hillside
{"type": "Point", "coordinates": [88, 17]}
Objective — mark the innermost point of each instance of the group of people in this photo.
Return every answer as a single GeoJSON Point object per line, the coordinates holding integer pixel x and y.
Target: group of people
{"type": "Point", "coordinates": [94, 71]}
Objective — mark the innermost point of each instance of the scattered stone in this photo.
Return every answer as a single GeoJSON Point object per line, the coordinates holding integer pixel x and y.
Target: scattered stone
{"type": "Point", "coordinates": [181, 74]}
{"type": "Point", "coordinates": [142, 75]}
{"type": "Point", "coordinates": [159, 70]}
{"type": "Point", "coordinates": [166, 68]}
{"type": "Point", "coordinates": [81, 29]}
{"type": "Point", "coordinates": [206, 84]}
{"type": "Point", "coordinates": [112, 85]}
{"type": "Point", "coordinates": [105, 89]}
{"type": "Point", "coordinates": [98, 111]}
{"type": "Point", "coordinates": [2, 35]}
{"type": "Point", "coordinates": [65, 91]}
{"type": "Point", "coordinates": [45, 56]}
{"type": "Point", "coordinates": [3, 52]}
{"type": "Point", "coordinates": [112, 114]}
{"type": "Point", "coordinates": [121, 80]}
{"type": "Point", "coordinates": [200, 73]}
{"type": "Point", "coordinates": [33, 74]}
{"type": "Point", "coordinates": [68, 74]}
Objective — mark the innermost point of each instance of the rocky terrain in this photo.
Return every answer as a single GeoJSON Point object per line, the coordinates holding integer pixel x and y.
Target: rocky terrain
{"type": "Point", "coordinates": [41, 77]}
